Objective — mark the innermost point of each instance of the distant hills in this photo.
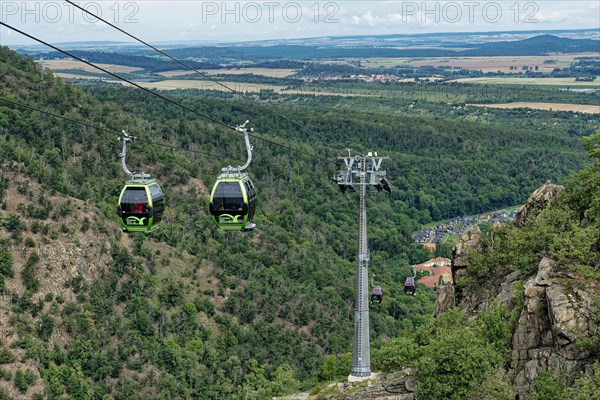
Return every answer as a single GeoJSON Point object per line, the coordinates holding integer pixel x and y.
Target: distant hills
{"type": "Point", "coordinates": [211, 55]}
{"type": "Point", "coordinates": [535, 46]}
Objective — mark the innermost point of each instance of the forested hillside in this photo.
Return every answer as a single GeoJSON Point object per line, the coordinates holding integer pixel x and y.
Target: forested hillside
{"type": "Point", "coordinates": [191, 312]}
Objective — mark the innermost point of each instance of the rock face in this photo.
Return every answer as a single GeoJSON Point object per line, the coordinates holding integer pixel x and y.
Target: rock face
{"type": "Point", "coordinates": [556, 312]}
{"type": "Point", "coordinates": [445, 299]}
{"type": "Point", "coordinates": [546, 195]}
{"type": "Point", "coordinates": [470, 240]}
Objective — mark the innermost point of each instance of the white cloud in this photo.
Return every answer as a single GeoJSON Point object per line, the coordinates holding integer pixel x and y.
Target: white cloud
{"type": "Point", "coordinates": [366, 19]}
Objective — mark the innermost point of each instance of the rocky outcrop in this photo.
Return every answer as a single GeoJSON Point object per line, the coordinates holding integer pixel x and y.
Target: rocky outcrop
{"type": "Point", "coordinates": [544, 196]}
{"type": "Point", "coordinates": [397, 386]}
{"type": "Point", "coordinates": [445, 299]}
{"type": "Point", "coordinates": [556, 314]}
{"type": "Point", "coordinates": [469, 241]}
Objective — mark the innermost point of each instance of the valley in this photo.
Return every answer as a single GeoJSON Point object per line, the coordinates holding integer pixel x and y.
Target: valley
{"type": "Point", "coordinates": [191, 311]}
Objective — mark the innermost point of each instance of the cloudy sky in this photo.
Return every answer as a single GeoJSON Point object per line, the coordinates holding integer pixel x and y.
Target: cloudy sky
{"type": "Point", "coordinates": [227, 21]}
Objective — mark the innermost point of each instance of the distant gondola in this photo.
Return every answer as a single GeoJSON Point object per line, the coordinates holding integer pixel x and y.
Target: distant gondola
{"type": "Point", "coordinates": [376, 295]}
{"type": "Point", "coordinates": [409, 287]}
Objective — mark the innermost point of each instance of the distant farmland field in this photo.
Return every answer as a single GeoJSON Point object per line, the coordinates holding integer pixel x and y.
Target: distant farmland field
{"type": "Point", "coordinates": [502, 64]}
{"type": "Point", "coordinates": [583, 108]}
{"type": "Point", "coordinates": [73, 64]}
{"type": "Point", "coordinates": [270, 72]}
{"type": "Point", "coordinates": [172, 84]}
{"type": "Point", "coordinates": [559, 82]}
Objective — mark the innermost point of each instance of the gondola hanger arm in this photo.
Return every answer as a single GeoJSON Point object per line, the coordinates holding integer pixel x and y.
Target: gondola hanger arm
{"type": "Point", "coordinates": [242, 129]}
{"type": "Point", "coordinates": [128, 138]}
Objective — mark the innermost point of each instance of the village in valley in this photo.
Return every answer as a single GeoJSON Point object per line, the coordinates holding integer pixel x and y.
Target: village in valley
{"type": "Point", "coordinates": [434, 272]}
{"type": "Point", "coordinates": [431, 235]}
{"type": "Point", "coordinates": [437, 271]}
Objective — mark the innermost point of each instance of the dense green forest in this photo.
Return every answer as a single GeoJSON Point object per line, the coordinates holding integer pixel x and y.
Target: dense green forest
{"type": "Point", "coordinates": [248, 316]}
{"type": "Point", "coordinates": [150, 64]}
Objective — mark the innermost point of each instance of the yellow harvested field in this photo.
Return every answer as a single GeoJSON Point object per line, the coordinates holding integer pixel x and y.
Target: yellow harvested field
{"type": "Point", "coordinates": [270, 72]}
{"type": "Point", "coordinates": [583, 108]}
{"type": "Point", "coordinates": [172, 84]}
{"type": "Point", "coordinates": [75, 76]}
{"type": "Point", "coordinates": [384, 62]}
{"type": "Point", "coordinates": [530, 81]}
{"type": "Point", "coordinates": [73, 64]}
{"type": "Point", "coordinates": [500, 63]}
{"type": "Point", "coordinates": [174, 74]}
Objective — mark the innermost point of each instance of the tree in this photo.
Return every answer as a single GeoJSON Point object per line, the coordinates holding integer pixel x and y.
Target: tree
{"type": "Point", "coordinates": [547, 387]}
{"type": "Point", "coordinates": [283, 381]}
{"type": "Point", "coordinates": [255, 386]}
{"type": "Point", "coordinates": [586, 387]}
{"type": "Point", "coordinates": [456, 360]}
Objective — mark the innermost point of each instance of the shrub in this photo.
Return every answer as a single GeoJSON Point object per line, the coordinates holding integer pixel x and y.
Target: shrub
{"type": "Point", "coordinates": [6, 263]}
{"type": "Point", "coordinates": [6, 356]}
{"type": "Point", "coordinates": [23, 380]}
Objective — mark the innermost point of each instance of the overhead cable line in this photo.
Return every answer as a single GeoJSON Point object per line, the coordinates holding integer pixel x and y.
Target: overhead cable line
{"type": "Point", "coordinates": [161, 96]}
{"type": "Point", "coordinates": [100, 128]}
{"type": "Point", "coordinates": [203, 74]}
{"type": "Point", "coordinates": [149, 45]}
{"type": "Point", "coordinates": [56, 115]}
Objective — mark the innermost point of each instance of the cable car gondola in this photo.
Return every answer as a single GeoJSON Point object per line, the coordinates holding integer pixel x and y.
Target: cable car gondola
{"type": "Point", "coordinates": [141, 206]}
{"type": "Point", "coordinates": [141, 202]}
{"type": "Point", "coordinates": [232, 202]}
{"type": "Point", "coordinates": [233, 197]}
{"type": "Point", "coordinates": [409, 286]}
{"type": "Point", "coordinates": [376, 295]}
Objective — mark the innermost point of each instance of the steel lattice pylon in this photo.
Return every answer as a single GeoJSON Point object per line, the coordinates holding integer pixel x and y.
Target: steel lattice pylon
{"type": "Point", "coordinates": [361, 351]}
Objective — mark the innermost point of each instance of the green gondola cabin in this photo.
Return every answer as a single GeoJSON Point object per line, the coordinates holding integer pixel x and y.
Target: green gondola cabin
{"type": "Point", "coordinates": [232, 202]}
{"type": "Point", "coordinates": [141, 205]}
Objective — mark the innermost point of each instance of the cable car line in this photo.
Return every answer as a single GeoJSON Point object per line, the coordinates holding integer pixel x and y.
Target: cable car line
{"type": "Point", "coordinates": [314, 156]}
{"type": "Point", "coordinates": [203, 74]}
{"type": "Point", "coordinates": [102, 129]}
{"type": "Point", "coordinates": [152, 47]}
